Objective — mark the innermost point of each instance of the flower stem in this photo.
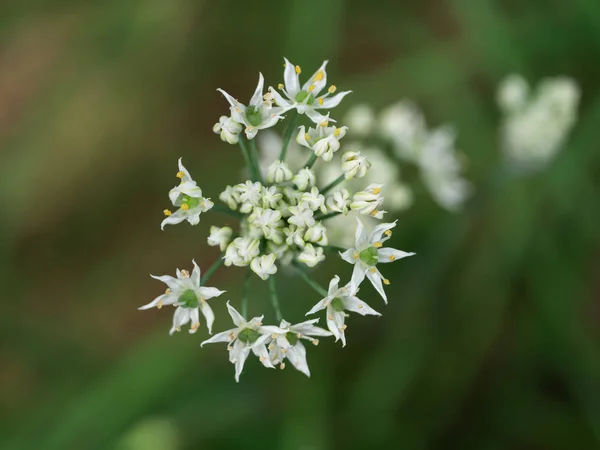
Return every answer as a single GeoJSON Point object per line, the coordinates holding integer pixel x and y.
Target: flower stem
{"type": "Point", "coordinates": [246, 156]}
{"type": "Point", "coordinates": [327, 216]}
{"type": "Point", "coordinates": [313, 284]}
{"type": "Point", "coordinates": [245, 292]}
{"type": "Point", "coordinates": [211, 270]}
{"type": "Point", "coordinates": [254, 158]}
{"type": "Point", "coordinates": [274, 298]}
{"type": "Point", "coordinates": [333, 248]}
{"type": "Point", "coordinates": [333, 184]}
{"type": "Point", "coordinates": [288, 135]}
{"type": "Point", "coordinates": [225, 210]}
{"type": "Point", "coordinates": [311, 161]}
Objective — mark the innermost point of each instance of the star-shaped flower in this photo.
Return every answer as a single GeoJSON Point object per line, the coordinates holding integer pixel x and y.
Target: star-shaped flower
{"type": "Point", "coordinates": [324, 141]}
{"type": "Point", "coordinates": [189, 296]}
{"type": "Point", "coordinates": [188, 198]}
{"type": "Point", "coordinates": [337, 301]}
{"type": "Point", "coordinates": [245, 337]}
{"type": "Point", "coordinates": [306, 99]}
{"type": "Point", "coordinates": [289, 345]}
{"type": "Point", "coordinates": [259, 114]}
{"type": "Point", "coordinates": [368, 252]}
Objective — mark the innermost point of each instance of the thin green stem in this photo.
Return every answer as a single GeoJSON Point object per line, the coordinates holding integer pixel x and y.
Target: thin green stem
{"type": "Point", "coordinates": [327, 216]}
{"type": "Point", "coordinates": [211, 270]}
{"type": "Point", "coordinates": [311, 161]}
{"type": "Point", "coordinates": [230, 212]}
{"type": "Point", "coordinates": [333, 184]}
{"type": "Point", "coordinates": [254, 158]}
{"type": "Point", "coordinates": [288, 134]}
{"type": "Point", "coordinates": [313, 284]}
{"type": "Point", "coordinates": [246, 156]}
{"type": "Point", "coordinates": [274, 298]}
{"type": "Point", "coordinates": [333, 248]}
{"type": "Point", "coordinates": [245, 292]}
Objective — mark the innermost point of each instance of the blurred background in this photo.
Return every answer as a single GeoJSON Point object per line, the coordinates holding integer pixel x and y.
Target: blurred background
{"type": "Point", "coordinates": [491, 339]}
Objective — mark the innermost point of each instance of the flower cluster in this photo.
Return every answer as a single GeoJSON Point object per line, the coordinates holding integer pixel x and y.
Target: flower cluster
{"type": "Point", "coordinates": [283, 210]}
{"type": "Point", "coordinates": [535, 126]}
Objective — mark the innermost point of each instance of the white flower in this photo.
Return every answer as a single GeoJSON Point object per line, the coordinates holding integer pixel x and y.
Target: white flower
{"type": "Point", "coordinates": [294, 236]}
{"type": "Point", "coordinates": [368, 252]}
{"type": "Point", "coordinates": [186, 293]}
{"type": "Point", "coordinates": [245, 337]}
{"type": "Point", "coordinates": [324, 141]}
{"type": "Point", "coordinates": [306, 99]}
{"type": "Point", "coordinates": [338, 201]}
{"type": "Point", "coordinates": [512, 93]}
{"type": "Point", "coordinates": [337, 301]}
{"type": "Point", "coordinates": [219, 237]}
{"type": "Point", "coordinates": [229, 130]}
{"type": "Point", "coordinates": [241, 251]}
{"type": "Point", "coordinates": [271, 197]}
{"type": "Point", "coordinates": [289, 344]}
{"type": "Point", "coordinates": [269, 221]}
{"type": "Point", "coordinates": [313, 200]}
{"type": "Point", "coordinates": [258, 115]}
{"type": "Point", "coordinates": [302, 216]}
{"type": "Point", "coordinates": [311, 256]}
{"type": "Point", "coordinates": [279, 172]}
{"type": "Point", "coordinates": [283, 253]}
{"type": "Point", "coordinates": [361, 120]}
{"type": "Point", "coordinates": [304, 179]}
{"type": "Point", "coordinates": [367, 201]}
{"type": "Point", "coordinates": [231, 196]}
{"type": "Point", "coordinates": [317, 234]}
{"type": "Point", "coordinates": [264, 266]}
{"type": "Point", "coordinates": [188, 198]}
{"type": "Point", "coordinates": [404, 125]}
{"type": "Point", "coordinates": [354, 164]}
{"type": "Point", "coordinates": [250, 195]}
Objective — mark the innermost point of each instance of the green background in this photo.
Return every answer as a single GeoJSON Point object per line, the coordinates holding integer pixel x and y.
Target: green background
{"type": "Point", "coordinates": [491, 338]}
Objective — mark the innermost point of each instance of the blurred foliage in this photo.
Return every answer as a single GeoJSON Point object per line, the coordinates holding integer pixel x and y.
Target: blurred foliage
{"type": "Point", "coordinates": [491, 339]}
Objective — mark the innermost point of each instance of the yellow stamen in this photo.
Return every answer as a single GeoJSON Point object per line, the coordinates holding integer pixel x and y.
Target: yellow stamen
{"type": "Point", "coordinates": [324, 123]}
{"type": "Point", "coordinates": [180, 175]}
{"type": "Point", "coordinates": [280, 86]}
{"type": "Point", "coordinates": [374, 213]}
{"type": "Point", "coordinates": [185, 206]}
{"type": "Point", "coordinates": [229, 348]}
{"type": "Point", "coordinates": [159, 304]}
{"type": "Point", "coordinates": [315, 342]}
{"type": "Point", "coordinates": [282, 366]}
{"type": "Point", "coordinates": [274, 336]}
{"type": "Point", "coordinates": [185, 273]}
{"type": "Point", "coordinates": [202, 300]}
{"type": "Point", "coordinates": [203, 204]}
{"type": "Point", "coordinates": [283, 350]}
{"type": "Point", "coordinates": [360, 306]}
{"type": "Point", "coordinates": [376, 191]}
{"type": "Point", "coordinates": [355, 255]}
{"type": "Point", "coordinates": [320, 100]}
{"type": "Point", "coordinates": [337, 132]}
{"type": "Point", "coordinates": [330, 317]}
{"type": "Point", "coordinates": [167, 212]}
{"type": "Point", "coordinates": [311, 88]}
{"type": "Point", "coordinates": [307, 136]}
{"type": "Point", "coordinates": [372, 269]}
{"type": "Point", "coordinates": [388, 233]}
{"type": "Point", "coordinates": [196, 326]}
{"type": "Point", "coordinates": [262, 358]}
{"type": "Point", "coordinates": [319, 75]}
{"type": "Point", "coordinates": [168, 291]}
{"type": "Point", "coordinates": [392, 258]}
{"type": "Point", "coordinates": [270, 347]}
{"type": "Point", "coordinates": [299, 335]}
{"type": "Point", "coordinates": [331, 89]}
{"type": "Point", "coordinates": [377, 245]}
{"type": "Point", "coordinates": [298, 70]}
{"type": "Point", "coordinates": [178, 329]}
{"type": "Point", "coordinates": [343, 327]}
{"type": "Point", "coordinates": [386, 282]}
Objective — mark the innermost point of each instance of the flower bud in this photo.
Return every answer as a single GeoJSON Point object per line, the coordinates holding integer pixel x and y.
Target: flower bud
{"type": "Point", "coordinates": [241, 251]}
{"type": "Point", "coordinates": [294, 236]}
{"type": "Point", "coordinates": [304, 179]}
{"type": "Point", "coordinates": [338, 201]}
{"type": "Point", "coordinates": [264, 266]}
{"type": "Point", "coordinates": [311, 256]}
{"type": "Point", "coordinates": [231, 196]}
{"type": "Point", "coordinates": [271, 197]}
{"type": "Point", "coordinates": [313, 200]}
{"type": "Point", "coordinates": [219, 237]}
{"type": "Point", "coordinates": [354, 164]}
{"type": "Point", "coordinates": [302, 216]}
{"type": "Point", "coordinates": [229, 130]}
{"type": "Point", "coordinates": [367, 201]}
{"type": "Point", "coordinates": [279, 172]}
{"type": "Point", "coordinates": [316, 234]}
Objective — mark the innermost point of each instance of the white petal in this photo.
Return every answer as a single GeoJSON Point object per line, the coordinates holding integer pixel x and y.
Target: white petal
{"type": "Point", "coordinates": [332, 102]}
{"type": "Point", "coordinates": [180, 318]}
{"type": "Point", "coordinates": [194, 319]}
{"type": "Point", "coordinates": [290, 79]}
{"type": "Point", "coordinates": [316, 116]}
{"type": "Point", "coordinates": [223, 336]}
{"type": "Point", "coordinates": [297, 356]}
{"type": "Point", "coordinates": [333, 285]}
{"type": "Point", "coordinates": [348, 256]}
{"type": "Point", "coordinates": [375, 278]}
{"type": "Point", "coordinates": [301, 138]}
{"type": "Point", "coordinates": [171, 282]}
{"type": "Point", "coordinates": [318, 84]}
{"type": "Point", "coordinates": [377, 235]}
{"type": "Point", "coordinates": [208, 314]}
{"type": "Point", "coordinates": [387, 255]}
{"type": "Point", "coordinates": [209, 292]}
{"type": "Point", "coordinates": [319, 306]}
{"type": "Point", "coordinates": [232, 101]}
{"type": "Point", "coordinates": [332, 326]}
{"type": "Point", "coordinates": [164, 299]}
{"type": "Point", "coordinates": [360, 236]}
{"type": "Point", "coordinates": [356, 305]}
{"type": "Point", "coordinates": [239, 364]}
{"type": "Point", "coordinates": [263, 355]}
{"type": "Point", "coordinates": [195, 277]}
{"type": "Point", "coordinates": [358, 275]}
{"type": "Point", "coordinates": [236, 317]}
{"type": "Point", "coordinates": [257, 99]}
{"type": "Point", "coordinates": [279, 100]}
{"type": "Point", "coordinates": [186, 175]}
{"type": "Point", "coordinates": [175, 218]}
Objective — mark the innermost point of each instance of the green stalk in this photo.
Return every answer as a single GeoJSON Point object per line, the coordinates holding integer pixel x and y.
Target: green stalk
{"type": "Point", "coordinates": [288, 134]}
{"type": "Point", "coordinates": [245, 292]}
{"type": "Point", "coordinates": [333, 184]}
{"type": "Point", "coordinates": [246, 156]}
{"type": "Point", "coordinates": [274, 298]}
{"type": "Point", "coordinates": [313, 284]}
{"type": "Point", "coordinates": [211, 270]}
{"type": "Point", "coordinates": [327, 216]}
{"type": "Point", "coordinates": [225, 210]}
{"type": "Point", "coordinates": [311, 161]}
{"type": "Point", "coordinates": [333, 248]}
{"type": "Point", "coordinates": [254, 158]}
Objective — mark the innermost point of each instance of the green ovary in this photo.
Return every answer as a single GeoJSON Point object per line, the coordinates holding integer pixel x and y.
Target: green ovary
{"type": "Point", "coordinates": [292, 338]}
{"type": "Point", "coordinates": [185, 199]}
{"type": "Point", "coordinates": [369, 256]}
{"type": "Point", "coordinates": [188, 299]}
{"type": "Point", "coordinates": [337, 304]}
{"type": "Point", "coordinates": [248, 335]}
{"type": "Point", "coordinates": [253, 115]}
{"type": "Point", "coordinates": [301, 96]}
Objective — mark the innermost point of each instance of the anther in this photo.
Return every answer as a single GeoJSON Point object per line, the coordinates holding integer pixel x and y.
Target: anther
{"type": "Point", "coordinates": [280, 86]}
{"type": "Point", "coordinates": [388, 233]}
{"type": "Point", "coordinates": [311, 88]}
{"type": "Point", "coordinates": [167, 213]}
{"type": "Point", "coordinates": [324, 123]}
{"type": "Point", "coordinates": [315, 342]}
{"type": "Point", "coordinates": [202, 300]}
{"type": "Point", "coordinates": [185, 206]}
{"type": "Point", "coordinates": [262, 358]}
{"type": "Point", "coordinates": [355, 255]}
{"type": "Point", "coordinates": [374, 212]}
{"type": "Point", "coordinates": [336, 133]}
{"type": "Point", "coordinates": [392, 258]}
{"type": "Point", "coordinates": [185, 273]}
{"type": "Point", "coordinates": [307, 136]}
{"type": "Point", "coordinates": [331, 89]}
{"type": "Point", "coordinates": [319, 75]}
{"type": "Point", "coordinates": [298, 70]}
{"type": "Point", "coordinates": [376, 191]}
{"type": "Point", "coordinates": [372, 269]}
{"type": "Point", "coordinates": [386, 281]}
{"type": "Point", "coordinates": [196, 326]}
{"type": "Point", "coordinates": [377, 245]}
{"type": "Point", "coordinates": [343, 327]}
{"type": "Point", "coordinates": [159, 304]}
{"type": "Point", "coordinates": [330, 317]}
{"type": "Point", "coordinates": [274, 335]}
{"type": "Point", "coordinates": [168, 291]}
{"type": "Point", "coordinates": [321, 101]}
{"type": "Point", "coordinates": [282, 366]}
{"type": "Point", "coordinates": [180, 175]}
